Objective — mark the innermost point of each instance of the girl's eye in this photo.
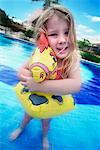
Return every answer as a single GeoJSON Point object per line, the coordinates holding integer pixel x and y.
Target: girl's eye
{"type": "Point", "coordinates": [66, 33]}
{"type": "Point", "coordinates": [54, 34]}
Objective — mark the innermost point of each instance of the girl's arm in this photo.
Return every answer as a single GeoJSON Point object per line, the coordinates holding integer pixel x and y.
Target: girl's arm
{"type": "Point", "coordinates": [63, 86]}
{"type": "Point", "coordinates": [60, 87]}
{"type": "Point", "coordinates": [24, 70]}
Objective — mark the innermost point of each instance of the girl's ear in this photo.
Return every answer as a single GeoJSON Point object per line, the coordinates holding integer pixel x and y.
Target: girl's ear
{"type": "Point", "coordinates": [42, 42]}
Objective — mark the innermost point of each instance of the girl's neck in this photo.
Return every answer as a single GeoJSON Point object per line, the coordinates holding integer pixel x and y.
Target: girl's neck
{"type": "Point", "coordinates": [59, 63]}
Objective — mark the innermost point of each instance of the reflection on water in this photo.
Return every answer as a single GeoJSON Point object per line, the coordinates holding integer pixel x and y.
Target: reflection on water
{"type": "Point", "coordinates": [89, 93]}
{"type": "Point", "coordinates": [86, 73]}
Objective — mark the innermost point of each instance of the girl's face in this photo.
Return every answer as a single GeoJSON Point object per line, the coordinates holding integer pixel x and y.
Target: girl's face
{"type": "Point", "coordinates": [57, 33]}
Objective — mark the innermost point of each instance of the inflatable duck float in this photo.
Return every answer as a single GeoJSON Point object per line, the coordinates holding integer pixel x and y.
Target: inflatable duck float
{"type": "Point", "coordinates": [43, 65]}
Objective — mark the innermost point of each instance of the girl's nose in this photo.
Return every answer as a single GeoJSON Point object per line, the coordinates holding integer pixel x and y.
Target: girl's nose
{"type": "Point", "coordinates": [62, 39]}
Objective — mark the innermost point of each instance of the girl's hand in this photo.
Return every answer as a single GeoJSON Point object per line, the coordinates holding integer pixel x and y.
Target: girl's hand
{"type": "Point", "coordinates": [24, 72]}
{"type": "Point", "coordinates": [29, 83]}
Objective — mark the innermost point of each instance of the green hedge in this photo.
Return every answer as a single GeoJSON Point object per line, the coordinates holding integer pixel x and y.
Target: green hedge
{"type": "Point", "coordinates": [90, 57]}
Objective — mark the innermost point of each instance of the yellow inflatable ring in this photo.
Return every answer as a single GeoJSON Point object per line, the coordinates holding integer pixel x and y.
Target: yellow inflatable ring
{"type": "Point", "coordinates": [41, 105]}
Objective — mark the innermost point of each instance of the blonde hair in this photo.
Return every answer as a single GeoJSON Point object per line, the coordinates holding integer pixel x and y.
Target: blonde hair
{"type": "Point", "coordinates": [62, 12]}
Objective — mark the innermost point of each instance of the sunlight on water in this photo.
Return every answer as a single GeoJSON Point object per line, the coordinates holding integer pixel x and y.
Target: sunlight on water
{"type": "Point", "coordinates": [86, 73]}
{"type": "Point", "coordinates": [14, 54]}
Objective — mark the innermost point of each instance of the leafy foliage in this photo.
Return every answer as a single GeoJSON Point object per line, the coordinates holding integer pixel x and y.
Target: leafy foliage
{"type": "Point", "coordinates": [4, 19]}
{"type": "Point", "coordinates": [48, 3]}
{"type": "Point", "coordinates": [29, 33]}
{"type": "Point", "coordinates": [90, 57]}
{"type": "Point", "coordinates": [7, 22]}
{"type": "Point", "coordinates": [84, 44]}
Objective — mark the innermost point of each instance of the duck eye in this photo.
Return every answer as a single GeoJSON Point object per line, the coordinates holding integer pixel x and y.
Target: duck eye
{"type": "Point", "coordinates": [54, 58]}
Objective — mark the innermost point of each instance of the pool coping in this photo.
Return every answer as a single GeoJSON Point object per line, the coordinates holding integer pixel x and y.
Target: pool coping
{"type": "Point", "coordinates": [16, 38]}
{"type": "Point", "coordinates": [90, 62]}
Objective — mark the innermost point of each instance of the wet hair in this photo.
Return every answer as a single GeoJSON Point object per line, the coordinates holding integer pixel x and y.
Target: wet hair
{"type": "Point", "coordinates": [60, 11]}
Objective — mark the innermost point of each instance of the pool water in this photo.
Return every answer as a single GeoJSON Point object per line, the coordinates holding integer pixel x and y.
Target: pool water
{"type": "Point", "coordinates": [76, 130]}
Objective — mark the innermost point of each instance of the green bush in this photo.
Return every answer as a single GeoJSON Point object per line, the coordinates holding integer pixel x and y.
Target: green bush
{"type": "Point", "coordinates": [90, 57]}
{"type": "Point", "coordinates": [29, 33]}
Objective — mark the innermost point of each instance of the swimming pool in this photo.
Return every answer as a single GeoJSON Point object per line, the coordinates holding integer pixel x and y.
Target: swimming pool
{"type": "Point", "coordinates": [77, 130]}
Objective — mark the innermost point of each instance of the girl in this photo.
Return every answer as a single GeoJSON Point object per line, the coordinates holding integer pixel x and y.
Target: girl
{"type": "Point", "coordinates": [58, 26]}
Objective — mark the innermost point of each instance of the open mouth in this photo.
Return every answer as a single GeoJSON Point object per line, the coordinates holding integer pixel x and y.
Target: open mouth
{"type": "Point", "coordinates": [62, 50]}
